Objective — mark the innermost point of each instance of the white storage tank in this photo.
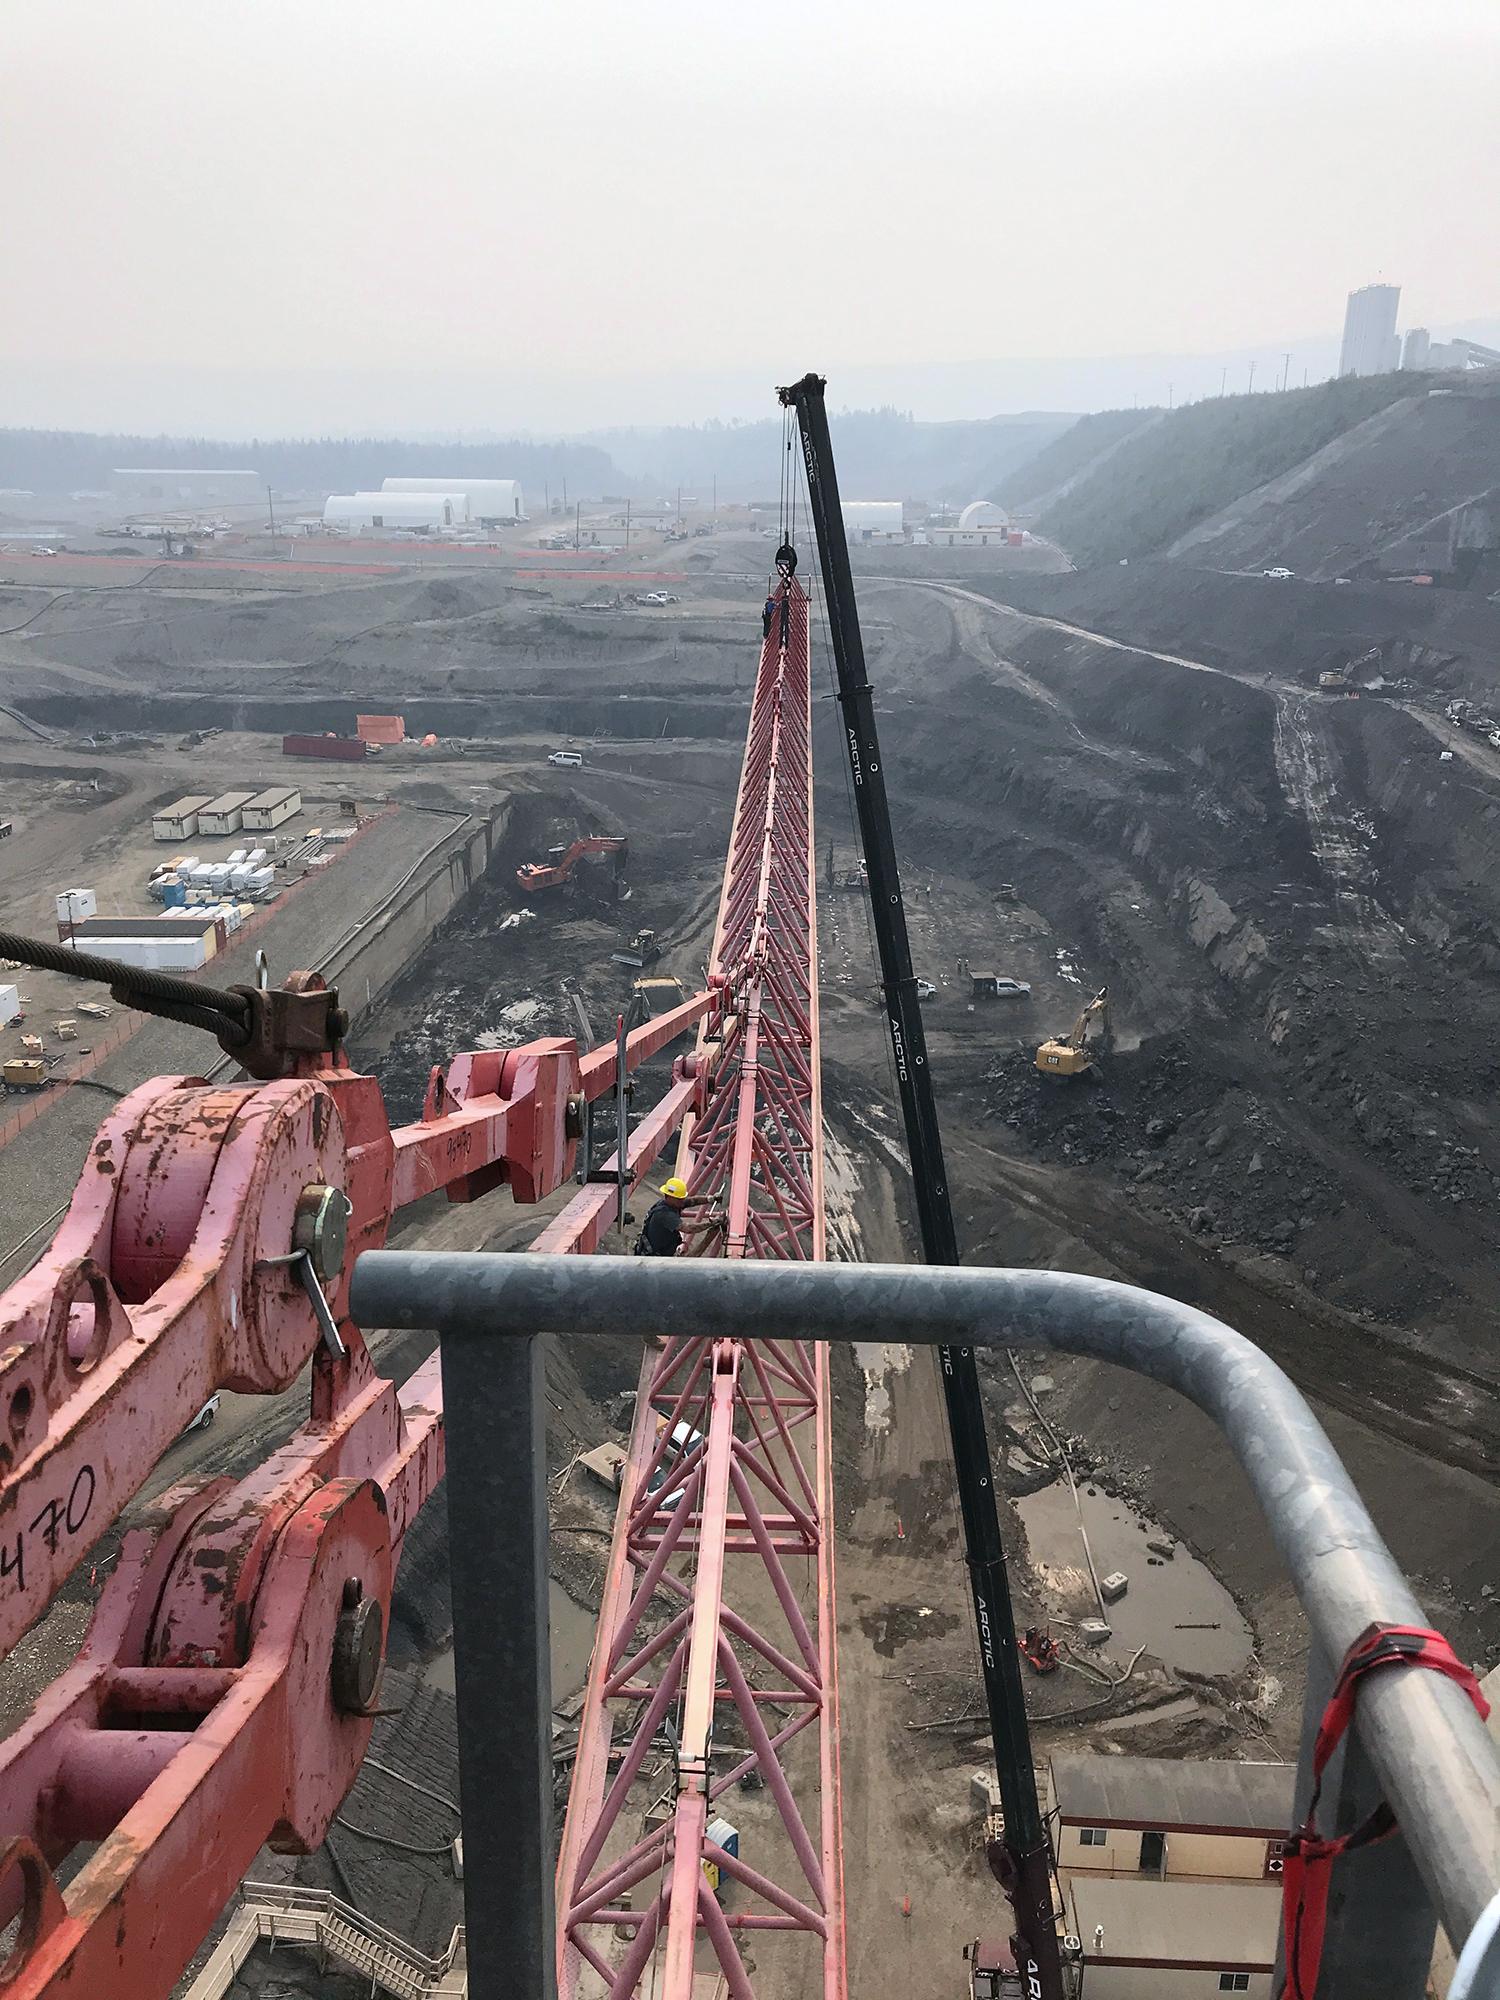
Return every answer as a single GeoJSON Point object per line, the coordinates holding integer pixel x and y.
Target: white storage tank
{"type": "Point", "coordinates": [10, 1004]}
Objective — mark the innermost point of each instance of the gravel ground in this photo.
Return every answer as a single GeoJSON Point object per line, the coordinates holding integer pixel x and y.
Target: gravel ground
{"type": "Point", "coordinates": [39, 1167]}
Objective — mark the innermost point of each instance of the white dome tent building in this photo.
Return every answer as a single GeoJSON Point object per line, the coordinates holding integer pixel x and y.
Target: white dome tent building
{"type": "Point", "coordinates": [981, 525]}
{"type": "Point", "coordinates": [387, 513]}
{"type": "Point", "coordinates": [492, 501]}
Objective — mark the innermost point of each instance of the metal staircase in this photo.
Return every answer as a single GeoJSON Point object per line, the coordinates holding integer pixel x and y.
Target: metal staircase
{"type": "Point", "coordinates": [342, 1939]}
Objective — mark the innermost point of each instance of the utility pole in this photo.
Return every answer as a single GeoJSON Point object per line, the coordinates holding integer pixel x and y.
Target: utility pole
{"type": "Point", "coordinates": [578, 528]}
{"type": "Point", "coordinates": [1022, 1860]}
{"type": "Point", "coordinates": [271, 503]}
{"type": "Point", "coordinates": [627, 522]}
{"type": "Point", "coordinates": [716, 496]}
{"type": "Point", "coordinates": [1286, 369]}
{"type": "Point", "coordinates": [546, 499]}
{"type": "Point", "coordinates": [679, 503]}
{"type": "Point", "coordinates": [565, 493]}
{"type": "Point", "coordinates": [1250, 391]}
{"type": "Point", "coordinates": [1223, 378]}
{"type": "Point", "coordinates": [1171, 389]}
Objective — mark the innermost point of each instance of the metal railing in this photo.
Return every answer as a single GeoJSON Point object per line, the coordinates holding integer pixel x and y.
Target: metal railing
{"type": "Point", "coordinates": [286, 1913]}
{"type": "Point", "coordinates": [1417, 1740]}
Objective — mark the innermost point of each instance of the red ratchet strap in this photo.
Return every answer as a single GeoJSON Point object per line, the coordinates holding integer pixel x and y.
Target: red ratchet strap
{"type": "Point", "coordinates": [1308, 1858]}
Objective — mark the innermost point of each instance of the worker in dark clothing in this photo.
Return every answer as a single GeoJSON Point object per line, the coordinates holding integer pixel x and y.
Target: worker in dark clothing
{"type": "Point", "coordinates": [767, 614]}
{"type": "Point", "coordinates": [661, 1232]}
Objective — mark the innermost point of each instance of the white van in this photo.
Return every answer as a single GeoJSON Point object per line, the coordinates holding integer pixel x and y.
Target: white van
{"type": "Point", "coordinates": [685, 1440]}
{"type": "Point", "coordinates": [572, 758]}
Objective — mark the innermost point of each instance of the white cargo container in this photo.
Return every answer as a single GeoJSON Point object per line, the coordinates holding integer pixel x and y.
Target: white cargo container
{"type": "Point", "coordinates": [237, 856]}
{"type": "Point", "coordinates": [256, 856]}
{"type": "Point", "coordinates": [73, 905]}
{"type": "Point", "coordinates": [180, 947]}
{"type": "Point", "coordinates": [10, 1004]}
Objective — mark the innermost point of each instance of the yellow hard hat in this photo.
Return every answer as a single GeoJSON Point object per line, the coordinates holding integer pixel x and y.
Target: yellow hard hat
{"type": "Point", "coordinates": [675, 1189]}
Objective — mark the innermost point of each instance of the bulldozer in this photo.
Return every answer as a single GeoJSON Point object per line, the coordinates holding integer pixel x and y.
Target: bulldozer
{"type": "Point", "coordinates": [642, 950]}
{"type": "Point", "coordinates": [1077, 1052]}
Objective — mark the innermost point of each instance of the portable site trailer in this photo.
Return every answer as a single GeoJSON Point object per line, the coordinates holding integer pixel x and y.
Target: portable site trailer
{"type": "Point", "coordinates": [179, 821]}
{"type": "Point", "coordinates": [271, 808]}
{"type": "Point", "coordinates": [225, 813]}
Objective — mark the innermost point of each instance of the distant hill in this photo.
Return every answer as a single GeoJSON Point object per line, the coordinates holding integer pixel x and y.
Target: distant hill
{"type": "Point", "coordinates": [1400, 492]}
{"type": "Point", "coordinates": [1075, 454]}
{"type": "Point", "coordinates": [1167, 476]}
{"type": "Point", "coordinates": [55, 462]}
{"type": "Point", "coordinates": [881, 455]}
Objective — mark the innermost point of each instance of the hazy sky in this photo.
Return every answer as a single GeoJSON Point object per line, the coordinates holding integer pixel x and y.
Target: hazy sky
{"type": "Point", "coordinates": [294, 214]}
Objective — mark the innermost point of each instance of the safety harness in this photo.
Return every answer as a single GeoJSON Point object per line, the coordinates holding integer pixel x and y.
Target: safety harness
{"type": "Point", "coordinates": [1308, 1857]}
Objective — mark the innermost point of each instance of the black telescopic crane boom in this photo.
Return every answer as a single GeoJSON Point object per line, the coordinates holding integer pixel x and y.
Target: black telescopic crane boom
{"type": "Point", "coordinates": [1025, 1864]}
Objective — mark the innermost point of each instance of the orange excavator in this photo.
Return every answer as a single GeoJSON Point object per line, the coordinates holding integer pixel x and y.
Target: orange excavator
{"type": "Point", "coordinates": [555, 870]}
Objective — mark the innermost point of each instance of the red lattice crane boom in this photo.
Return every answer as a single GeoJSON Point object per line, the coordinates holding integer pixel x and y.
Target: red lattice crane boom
{"type": "Point", "coordinates": [715, 1655]}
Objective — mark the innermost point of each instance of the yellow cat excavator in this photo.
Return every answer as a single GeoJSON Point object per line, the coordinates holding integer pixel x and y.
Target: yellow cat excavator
{"type": "Point", "coordinates": [1090, 1037]}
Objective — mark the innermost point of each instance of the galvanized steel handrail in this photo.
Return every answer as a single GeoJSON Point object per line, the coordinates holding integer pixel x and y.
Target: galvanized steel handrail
{"type": "Point", "coordinates": [1438, 1766]}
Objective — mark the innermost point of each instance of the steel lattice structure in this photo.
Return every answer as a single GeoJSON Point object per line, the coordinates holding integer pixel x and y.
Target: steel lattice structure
{"type": "Point", "coordinates": [709, 1639]}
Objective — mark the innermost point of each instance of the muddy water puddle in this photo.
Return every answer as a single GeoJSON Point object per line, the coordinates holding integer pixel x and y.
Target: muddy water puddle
{"type": "Point", "coordinates": [1175, 1606]}
{"type": "Point", "coordinates": [572, 1643]}
{"type": "Point", "coordinates": [893, 1626]}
